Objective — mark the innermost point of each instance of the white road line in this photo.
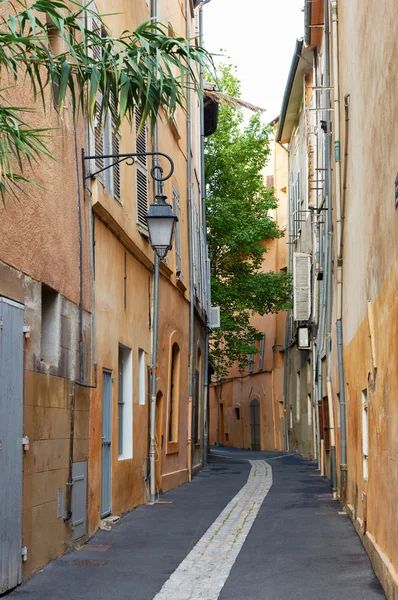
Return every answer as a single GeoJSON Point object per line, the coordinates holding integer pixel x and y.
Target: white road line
{"type": "Point", "coordinates": [203, 573]}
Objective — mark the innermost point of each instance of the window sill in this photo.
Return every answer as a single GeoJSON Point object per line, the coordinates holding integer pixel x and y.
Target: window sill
{"type": "Point", "coordinates": [172, 448]}
{"type": "Point", "coordinates": [124, 458]}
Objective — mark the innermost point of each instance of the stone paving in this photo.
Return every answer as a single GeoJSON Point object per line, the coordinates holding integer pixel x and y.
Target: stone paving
{"type": "Point", "coordinates": [250, 526]}
{"type": "Point", "coordinates": [203, 573]}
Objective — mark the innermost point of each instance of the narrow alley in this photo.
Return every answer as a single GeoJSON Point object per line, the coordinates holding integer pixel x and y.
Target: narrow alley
{"type": "Point", "coordinates": [251, 525]}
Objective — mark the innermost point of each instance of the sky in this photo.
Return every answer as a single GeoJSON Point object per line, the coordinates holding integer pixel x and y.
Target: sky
{"type": "Point", "coordinates": [259, 37]}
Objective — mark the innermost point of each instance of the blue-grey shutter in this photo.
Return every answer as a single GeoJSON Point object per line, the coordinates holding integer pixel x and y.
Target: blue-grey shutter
{"type": "Point", "coordinates": [11, 431]}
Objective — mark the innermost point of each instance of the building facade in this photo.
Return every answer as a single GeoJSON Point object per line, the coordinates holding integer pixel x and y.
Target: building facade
{"type": "Point", "coordinates": [246, 410]}
{"type": "Point", "coordinates": [77, 303]}
{"type": "Point", "coordinates": [337, 123]}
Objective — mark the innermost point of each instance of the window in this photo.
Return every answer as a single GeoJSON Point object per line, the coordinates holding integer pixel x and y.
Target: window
{"type": "Point", "coordinates": [365, 434]}
{"type": "Point", "coordinates": [50, 325]}
{"type": "Point", "coordinates": [261, 357]}
{"type": "Point", "coordinates": [125, 403]}
{"type": "Point", "coordinates": [174, 391]}
{"type": "Point", "coordinates": [269, 181]}
{"type": "Point", "coordinates": [177, 212]}
{"type": "Point", "coordinates": [104, 138]}
{"type": "Point", "coordinates": [299, 201]}
{"type": "Point", "coordinates": [298, 407]}
{"type": "Point", "coordinates": [141, 145]}
{"type": "Point", "coordinates": [251, 357]}
{"type": "Point", "coordinates": [237, 413]}
{"type": "Point", "coordinates": [141, 376]}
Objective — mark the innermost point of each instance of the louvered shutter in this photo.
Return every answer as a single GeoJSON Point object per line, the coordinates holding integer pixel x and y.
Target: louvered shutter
{"type": "Point", "coordinates": [302, 286]}
{"type": "Point", "coordinates": [115, 149]}
{"type": "Point", "coordinates": [142, 171]}
{"type": "Point", "coordinates": [98, 135]}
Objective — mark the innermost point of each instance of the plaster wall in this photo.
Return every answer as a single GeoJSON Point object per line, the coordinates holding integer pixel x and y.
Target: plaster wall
{"type": "Point", "coordinates": [368, 45]}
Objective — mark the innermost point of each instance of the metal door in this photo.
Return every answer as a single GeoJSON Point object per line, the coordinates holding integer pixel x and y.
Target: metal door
{"type": "Point", "coordinates": [106, 463]}
{"type": "Point", "coordinates": [255, 424]}
{"type": "Point", "coordinates": [11, 431]}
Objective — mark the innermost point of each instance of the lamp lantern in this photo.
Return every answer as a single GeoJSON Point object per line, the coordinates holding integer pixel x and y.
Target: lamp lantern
{"type": "Point", "coordinates": [161, 224]}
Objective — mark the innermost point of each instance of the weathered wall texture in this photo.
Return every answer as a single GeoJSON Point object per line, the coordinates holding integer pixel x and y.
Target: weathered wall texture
{"type": "Point", "coordinates": [368, 45]}
{"type": "Point", "coordinates": [47, 402]}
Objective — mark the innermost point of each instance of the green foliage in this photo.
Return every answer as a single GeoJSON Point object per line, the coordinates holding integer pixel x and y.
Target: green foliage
{"type": "Point", "coordinates": [239, 222]}
{"type": "Point", "coordinates": [146, 68]}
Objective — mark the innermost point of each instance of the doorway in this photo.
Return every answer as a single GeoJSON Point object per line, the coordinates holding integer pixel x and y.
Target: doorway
{"type": "Point", "coordinates": [255, 424]}
{"type": "Point", "coordinates": [106, 452]}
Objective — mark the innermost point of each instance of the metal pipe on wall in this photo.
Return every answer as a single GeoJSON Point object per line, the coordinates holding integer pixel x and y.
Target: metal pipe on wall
{"type": "Point", "coordinates": [339, 227]}
{"type": "Point", "coordinates": [152, 422]}
{"type": "Point", "coordinates": [204, 227]}
{"type": "Point", "coordinates": [328, 264]}
{"type": "Point", "coordinates": [191, 251]}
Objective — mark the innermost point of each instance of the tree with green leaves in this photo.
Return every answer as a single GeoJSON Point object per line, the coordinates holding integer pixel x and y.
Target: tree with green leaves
{"type": "Point", "coordinates": [239, 222]}
{"type": "Point", "coordinates": [145, 68]}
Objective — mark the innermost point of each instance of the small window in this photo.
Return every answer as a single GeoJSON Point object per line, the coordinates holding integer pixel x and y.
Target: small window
{"type": "Point", "coordinates": [237, 413]}
{"type": "Point", "coordinates": [125, 403]}
{"type": "Point", "coordinates": [141, 376]}
{"type": "Point", "coordinates": [365, 434]}
{"type": "Point", "coordinates": [50, 325]}
{"type": "Point", "coordinates": [174, 391]}
{"type": "Point", "coordinates": [261, 357]}
{"type": "Point", "coordinates": [251, 357]}
{"type": "Point", "coordinates": [298, 403]}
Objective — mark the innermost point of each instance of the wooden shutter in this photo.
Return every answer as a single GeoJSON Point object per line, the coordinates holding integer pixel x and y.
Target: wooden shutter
{"type": "Point", "coordinates": [115, 149]}
{"type": "Point", "coordinates": [98, 135]}
{"type": "Point", "coordinates": [302, 286]}
{"type": "Point", "coordinates": [141, 145]}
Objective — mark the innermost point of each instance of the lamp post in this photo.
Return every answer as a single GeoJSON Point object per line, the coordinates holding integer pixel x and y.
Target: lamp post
{"type": "Point", "coordinates": [161, 224]}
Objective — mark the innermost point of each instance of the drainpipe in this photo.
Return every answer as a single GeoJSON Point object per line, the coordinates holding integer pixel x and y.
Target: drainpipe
{"type": "Point", "coordinates": [152, 426]}
{"type": "Point", "coordinates": [191, 256]}
{"type": "Point", "coordinates": [204, 227]}
{"type": "Point", "coordinates": [328, 264]}
{"type": "Point", "coordinates": [75, 382]}
{"type": "Point", "coordinates": [339, 227]}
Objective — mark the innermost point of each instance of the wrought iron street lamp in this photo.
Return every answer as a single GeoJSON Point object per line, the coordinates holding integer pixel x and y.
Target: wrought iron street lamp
{"type": "Point", "coordinates": [161, 224]}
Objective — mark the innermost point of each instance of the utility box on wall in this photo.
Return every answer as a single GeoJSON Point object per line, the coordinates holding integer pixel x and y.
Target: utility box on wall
{"type": "Point", "coordinates": [79, 500]}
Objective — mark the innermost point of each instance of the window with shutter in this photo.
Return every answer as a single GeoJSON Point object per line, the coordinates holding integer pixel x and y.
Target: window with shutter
{"type": "Point", "coordinates": [177, 212]}
{"type": "Point", "coordinates": [251, 357]}
{"type": "Point", "coordinates": [261, 357]}
{"type": "Point", "coordinates": [302, 286]}
{"type": "Point", "coordinates": [141, 145]}
{"type": "Point", "coordinates": [299, 202]}
{"type": "Point", "coordinates": [103, 139]}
